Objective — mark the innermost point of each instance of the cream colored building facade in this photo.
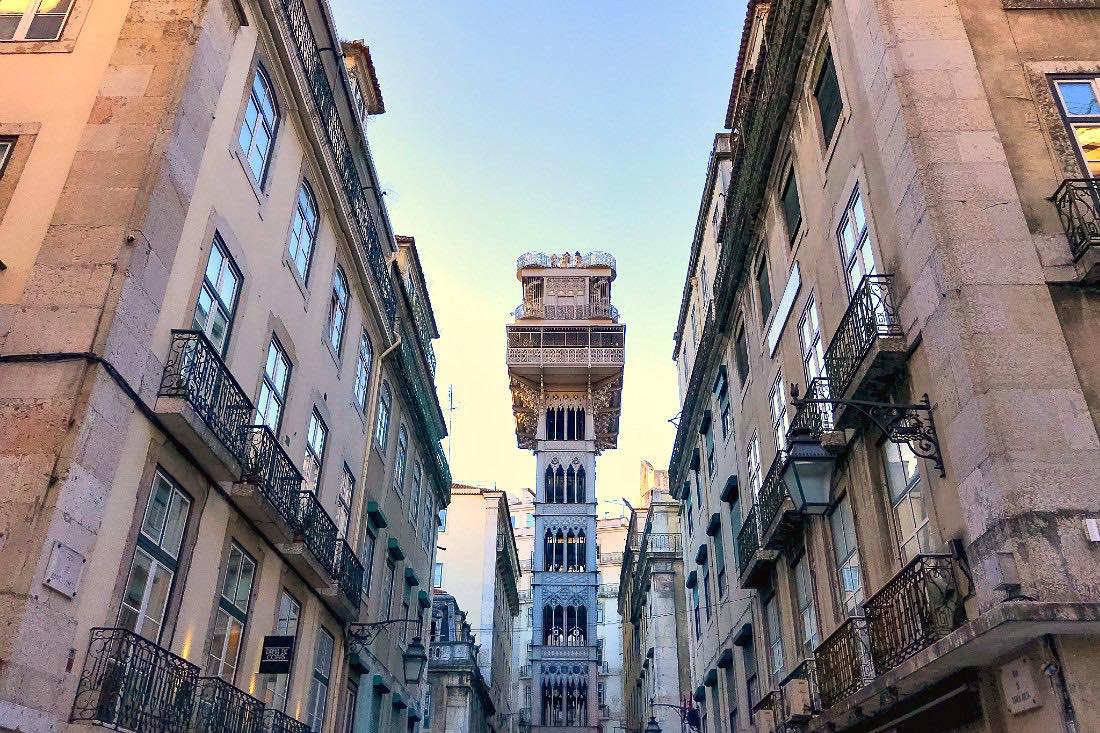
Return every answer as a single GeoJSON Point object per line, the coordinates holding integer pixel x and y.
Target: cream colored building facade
{"type": "Point", "coordinates": [477, 563]}
{"type": "Point", "coordinates": [216, 376]}
{"type": "Point", "coordinates": [910, 224]}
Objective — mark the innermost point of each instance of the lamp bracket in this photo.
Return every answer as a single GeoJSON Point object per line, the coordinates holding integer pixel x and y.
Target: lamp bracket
{"type": "Point", "coordinates": [902, 424]}
{"type": "Point", "coordinates": [361, 636]}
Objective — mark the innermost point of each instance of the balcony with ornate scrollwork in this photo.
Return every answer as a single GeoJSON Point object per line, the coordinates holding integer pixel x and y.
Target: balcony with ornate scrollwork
{"type": "Point", "coordinates": [600, 348]}
{"type": "Point", "coordinates": [778, 519]}
{"type": "Point", "coordinates": [313, 549]}
{"type": "Point", "coordinates": [753, 559]}
{"type": "Point", "coordinates": [222, 708]}
{"type": "Point", "coordinates": [276, 721]}
{"type": "Point", "coordinates": [346, 590]}
{"type": "Point", "coordinates": [844, 662]}
{"type": "Point", "coordinates": [1078, 203]}
{"type": "Point", "coordinates": [130, 683]}
{"type": "Point", "coordinates": [542, 311]}
{"type": "Point", "coordinates": [202, 405]}
{"type": "Point", "coordinates": [270, 483]}
{"type": "Point", "coordinates": [868, 348]}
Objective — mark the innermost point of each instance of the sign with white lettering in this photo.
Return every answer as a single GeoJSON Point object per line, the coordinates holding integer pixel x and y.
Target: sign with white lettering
{"type": "Point", "coordinates": [1018, 686]}
{"type": "Point", "coordinates": [277, 655]}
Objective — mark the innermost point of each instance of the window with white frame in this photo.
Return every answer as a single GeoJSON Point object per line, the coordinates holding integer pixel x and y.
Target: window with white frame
{"type": "Point", "coordinates": [318, 688]}
{"type": "Point", "coordinates": [417, 487]}
{"type": "Point", "coordinates": [261, 118]}
{"type": "Point", "coordinates": [382, 424]}
{"type": "Point", "coordinates": [303, 231]}
{"type": "Point", "coordinates": [156, 557]}
{"type": "Point", "coordinates": [338, 309]}
{"type": "Point", "coordinates": [442, 525]}
{"type": "Point", "coordinates": [316, 440]}
{"type": "Point", "coordinates": [437, 575]}
{"type": "Point", "coordinates": [809, 338]}
{"type": "Point", "coordinates": [273, 386]}
{"type": "Point", "coordinates": [7, 144]}
{"type": "Point", "coordinates": [363, 365]}
{"type": "Point", "coordinates": [804, 598]}
{"type": "Point", "coordinates": [775, 638]}
{"type": "Point", "coordinates": [856, 247]}
{"type": "Point", "coordinates": [906, 493]}
{"type": "Point", "coordinates": [232, 614]}
{"type": "Point", "coordinates": [1079, 102]}
{"type": "Point", "coordinates": [719, 562]}
{"type": "Point", "coordinates": [366, 554]}
{"type": "Point", "coordinates": [387, 588]}
{"type": "Point", "coordinates": [752, 463]}
{"type": "Point", "coordinates": [704, 570]}
{"type": "Point", "coordinates": [846, 553]}
{"type": "Point", "coordinates": [722, 397]}
{"type": "Point", "coordinates": [217, 299]}
{"type": "Point", "coordinates": [344, 500]}
{"type": "Point", "coordinates": [827, 95]}
{"type": "Point", "coordinates": [286, 624]}
{"type": "Point", "coordinates": [33, 20]}
{"type": "Point", "coordinates": [780, 420]}
{"type": "Point", "coordinates": [741, 354]}
{"type": "Point", "coordinates": [402, 459]}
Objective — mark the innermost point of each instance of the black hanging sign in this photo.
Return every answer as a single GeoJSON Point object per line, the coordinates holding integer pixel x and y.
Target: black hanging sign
{"type": "Point", "coordinates": [277, 654]}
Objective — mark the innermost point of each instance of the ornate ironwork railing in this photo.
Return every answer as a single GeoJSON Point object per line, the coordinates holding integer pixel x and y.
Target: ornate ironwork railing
{"type": "Point", "coordinates": [267, 466]}
{"type": "Point", "coordinates": [130, 683]}
{"type": "Point", "coordinates": [580, 355]}
{"type": "Point", "coordinates": [222, 708]}
{"type": "Point", "coordinates": [814, 418]}
{"type": "Point", "coordinates": [544, 259]}
{"type": "Point", "coordinates": [773, 492]}
{"type": "Point", "coordinates": [324, 101]}
{"type": "Point", "coordinates": [844, 662]}
{"type": "Point", "coordinates": [748, 540]}
{"type": "Point", "coordinates": [349, 573]}
{"type": "Point", "coordinates": [1078, 204]}
{"type": "Point", "coordinates": [663, 542]}
{"type": "Point", "coordinates": [566, 312]}
{"type": "Point", "coordinates": [795, 707]}
{"type": "Point", "coordinates": [423, 331]}
{"type": "Point", "coordinates": [871, 315]}
{"type": "Point", "coordinates": [195, 372]}
{"type": "Point", "coordinates": [276, 721]}
{"type": "Point", "coordinates": [317, 529]}
{"type": "Point", "coordinates": [918, 606]}
{"type": "Point", "coordinates": [422, 395]}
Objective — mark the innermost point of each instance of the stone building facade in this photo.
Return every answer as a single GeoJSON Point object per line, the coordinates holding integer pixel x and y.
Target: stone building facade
{"type": "Point", "coordinates": [899, 301]}
{"type": "Point", "coordinates": [458, 699]}
{"type": "Point", "coordinates": [218, 420]}
{"type": "Point", "coordinates": [565, 361]}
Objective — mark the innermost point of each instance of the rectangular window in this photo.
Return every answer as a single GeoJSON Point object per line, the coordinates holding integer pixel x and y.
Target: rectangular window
{"type": "Point", "coordinates": [33, 20]}
{"type": "Point", "coordinates": [367, 554]}
{"type": "Point", "coordinates": [414, 500]}
{"type": "Point", "coordinates": [351, 701]}
{"type": "Point", "coordinates": [809, 338]}
{"type": "Point", "coordinates": [443, 520]}
{"type": "Point", "coordinates": [402, 459]}
{"type": "Point", "coordinates": [752, 463]}
{"type": "Point", "coordinates": [363, 365]}
{"type": "Point", "coordinates": [705, 570]}
{"type": "Point", "coordinates": [775, 639]}
{"type": "Point", "coordinates": [741, 355]}
{"type": "Point", "coordinates": [273, 387]}
{"type": "Point", "coordinates": [303, 232]}
{"type": "Point", "coordinates": [807, 613]}
{"type": "Point", "coordinates": [695, 609]}
{"type": "Point", "coordinates": [232, 615]}
{"type": "Point", "coordinates": [387, 588]}
{"type": "Point", "coordinates": [780, 419]}
{"type": "Point", "coordinates": [318, 689]}
{"type": "Point", "coordinates": [337, 309]}
{"type": "Point", "coordinates": [720, 562]}
{"type": "Point", "coordinates": [722, 397]}
{"type": "Point", "coordinates": [856, 247]}
{"type": "Point", "coordinates": [286, 624]}
{"type": "Point", "coordinates": [687, 510]}
{"type": "Point", "coordinates": [437, 575]}
{"type": "Point", "coordinates": [827, 94]}
{"type": "Point", "coordinates": [708, 444]}
{"type": "Point", "coordinates": [145, 598]}
{"type": "Point", "coordinates": [1079, 99]}
{"type": "Point", "coordinates": [316, 439]}
{"type": "Point", "coordinates": [344, 501]}
{"type": "Point", "coordinates": [217, 300]}
{"type": "Point", "coordinates": [764, 290]}
{"type": "Point", "coordinates": [731, 698]}
{"type": "Point", "coordinates": [792, 209]}
{"type": "Point", "coordinates": [903, 483]}
{"type": "Point", "coordinates": [846, 551]}
{"type": "Point", "coordinates": [752, 682]}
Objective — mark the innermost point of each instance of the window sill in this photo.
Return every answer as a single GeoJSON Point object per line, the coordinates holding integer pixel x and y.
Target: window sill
{"type": "Point", "coordinates": [257, 190]}
{"type": "Point", "coordinates": [64, 45]}
{"type": "Point", "coordinates": [293, 272]}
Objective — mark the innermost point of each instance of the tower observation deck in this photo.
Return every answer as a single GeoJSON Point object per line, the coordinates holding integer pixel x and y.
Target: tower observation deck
{"type": "Point", "coordinates": [566, 350]}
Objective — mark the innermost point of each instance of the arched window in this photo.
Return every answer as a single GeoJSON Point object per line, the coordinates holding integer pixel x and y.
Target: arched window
{"type": "Point", "coordinates": [402, 459]}
{"type": "Point", "coordinates": [548, 489]}
{"type": "Point", "coordinates": [559, 485]}
{"type": "Point", "coordinates": [581, 493]}
{"type": "Point", "coordinates": [362, 370]}
{"type": "Point", "coordinates": [570, 551]}
{"type": "Point", "coordinates": [382, 426]}
{"type": "Point", "coordinates": [303, 231]}
{"type": "Point", "coordinates": [338, 309]}
{"type": "Point", "coordinates": [580, 424]}
{"type": "Point", "coordinates": [261, 118]}
{"type": "Point", "coordinates": [549, 424]}
{"type": "Point", "coordinates": [570, 485]}
{"type": "Point", "coordinates": [559, 418]}
{"type": "Point", "coordinates": [582, 551]}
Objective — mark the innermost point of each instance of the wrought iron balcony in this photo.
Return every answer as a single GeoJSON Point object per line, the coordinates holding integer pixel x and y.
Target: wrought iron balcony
{"type": "Point", "coordinates": [748, 540]}
{"type": "Point", "coordinates": [344, 156]}
{"type": "Point", "coordinates": [814, 418]}
{"type": "Point", "coordinates": [918, 606]}
{"type": "Point", "coordinates": [777, 515]}
{"type": "Point", "coordinates": [544, 259]}
{"type": "Point", "coordinates": [1078, 204]}
{"type": "Point", "coordinates": [421, 394]}
{"type": "Point", "coordinates": [799, 694]}
{"type": "Point", "coordinates": [270, 484]}
{"type": "Point", "coordinates": [195, 374]}
{"type": "Point", "coordinates": [316, 534]}
{"type": "Point", "coordinates": [276, 721]}
{"type": "Point", "coordinates": [130, 683]}
{"type": "Point", "coordinates": [222, 708]}
{"type": "Point", "coordinates": [844, 662]}
{"type": "Point", "coordinates": [868, 346]}
{"type": "Point", "coordinates": [564, 346]}
{"type": "Point", "coordinates": [663, 542]}
{"type": "Point", "coordinates": [348, 572]}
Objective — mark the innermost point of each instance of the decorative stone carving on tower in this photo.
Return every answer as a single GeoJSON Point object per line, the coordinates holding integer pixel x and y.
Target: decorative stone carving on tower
{"type": "Point", "coordinates": [566, 350]}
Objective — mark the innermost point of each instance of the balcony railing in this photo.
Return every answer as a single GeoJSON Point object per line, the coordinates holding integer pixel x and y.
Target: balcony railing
{"type": "Point", "coordinates": [276, 721]}
{"type": "Point", "coordinates": [567, 355]}
{"type": "Point", "coordinates": [773, 492]}
{"type": "Point", "coordinates": [195, 372]}
{"type": "Point", "coordinates": [844, 662]}
{"type": "Point", "coordinates": [566, 312]}
{"type": "Point", "coordinates": [1078, 204]}
{"type": "Point", "coordinates": [814, 418]}
{"type": "Point", "coordinates": [222, 708]}
{"type": "Point", "coordinates": [918, 606]}
{"type": "Point", "coordinates": [317, 529]}
{"type": "Point", "coordinates": [338, 147]}
{"type": "Point", "coordinates": [130, 683]}
{"type": "Point", "coordinates": [663, 542]}
{"type": "Point", "coordinates": [871, 315]}
{"type": "Point", "coordinates": [544, 259]}
{"type": "Point", "coordinates": [349, 573]}
{"type": "Point", "coordinates": [748, 540]}
{"type": "Point", "coordinates": [269, 468]}
{"type": "Point", "coordinates": [443, 652]}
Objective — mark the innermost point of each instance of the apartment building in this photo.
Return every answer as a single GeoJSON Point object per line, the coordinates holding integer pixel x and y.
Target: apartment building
{"type": "Point", "coordinates": [656, 673]}
{"type": "Point", "coordinates": [458, 699]}
{"type": "Point", "coordinates": [220, 428]}
{"type": "Point", "coordinates": [477, 564]}
{"type": "Point", "coordinates": [897, 323]}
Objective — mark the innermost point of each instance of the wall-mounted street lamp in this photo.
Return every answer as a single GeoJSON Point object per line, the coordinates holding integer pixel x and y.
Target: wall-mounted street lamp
{"type": "Point", "coordinates": [415, 658]}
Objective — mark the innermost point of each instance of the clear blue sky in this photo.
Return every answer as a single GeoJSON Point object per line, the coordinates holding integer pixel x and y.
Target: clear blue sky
{"type": "Point", "coordinates": [554, 125]}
